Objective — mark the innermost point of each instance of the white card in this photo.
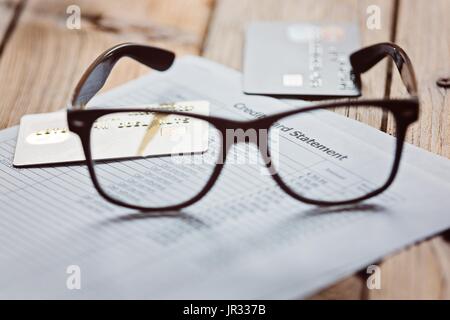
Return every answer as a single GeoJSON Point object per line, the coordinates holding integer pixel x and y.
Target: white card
{"type": "Point", "coordinates": [45, 139]}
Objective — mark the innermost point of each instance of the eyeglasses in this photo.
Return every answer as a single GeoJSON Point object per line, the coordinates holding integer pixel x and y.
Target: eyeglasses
{"type": "Point", "coordinates": [323, 174]}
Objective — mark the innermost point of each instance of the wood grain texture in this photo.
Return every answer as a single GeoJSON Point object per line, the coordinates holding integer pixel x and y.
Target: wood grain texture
{"type": "Point", "coordinates": [424, 32]}
{"type": "Point", "coordinates": [423, 271]}
{"type": "Point", "coordinates": [43, 59]}
{"type": "Point", "coordinates": [7, 8]}
{"type": "Point", "coordinates": [350, 288]}
{"type": "Point", "coordinates": [224, 44]}
{"type": "Point", "coordinates": [414, 273]}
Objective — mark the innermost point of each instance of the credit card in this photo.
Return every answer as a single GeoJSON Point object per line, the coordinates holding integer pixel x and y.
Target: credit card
{"type": "Point", "coordinates": [300, 59]}
{"type": "Point", "coordinates": [45, 139]}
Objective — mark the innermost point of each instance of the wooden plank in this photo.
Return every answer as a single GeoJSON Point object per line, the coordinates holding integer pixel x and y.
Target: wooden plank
{"type": "Point", "coordinates": [441, 250]}
{"type": "Point", "coordinates": [44, 59]}
{"type": "Point", "coordinates": [425, 37]}
{"type": "Point", "coordinates": [351, 288]}
{"type": "Point", "coordinates": [422, 272]}
{"type": "Point", "coordinates": [413, 273]}
{"type": "Point", "coordinates": [7, 9]}
{"type": "Point", "coordinates": [225, 41]}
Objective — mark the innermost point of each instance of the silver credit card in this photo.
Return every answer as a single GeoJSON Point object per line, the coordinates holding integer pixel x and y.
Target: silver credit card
{"type": "Point", "coordinates": [300, 59]}
{"type": "Point", "coordinates": [45, 139]}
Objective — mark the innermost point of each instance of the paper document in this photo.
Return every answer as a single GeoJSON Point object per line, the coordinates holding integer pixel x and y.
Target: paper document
{"type": "Point", "coordinates": [245, 239]}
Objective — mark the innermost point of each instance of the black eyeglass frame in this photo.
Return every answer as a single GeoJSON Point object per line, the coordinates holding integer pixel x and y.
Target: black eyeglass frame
{"type": "Point", "coordinates": [81, 120]}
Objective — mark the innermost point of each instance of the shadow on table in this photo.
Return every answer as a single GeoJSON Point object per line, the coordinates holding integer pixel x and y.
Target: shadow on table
{"type": "Point", "coordinates": [317, 211]}
{"type": "Point", "coordinates": [143, 215]}
{"type": "Point", "coordinates": [362, 207]}
{"type": "Point", "coordinates": [290, 226]}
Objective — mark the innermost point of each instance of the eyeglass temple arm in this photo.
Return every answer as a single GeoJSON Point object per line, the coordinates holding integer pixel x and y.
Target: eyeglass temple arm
{"type": "Point", "coordinates": [95, 76]}
{"type": "Point", "coordinates": [364, 59]}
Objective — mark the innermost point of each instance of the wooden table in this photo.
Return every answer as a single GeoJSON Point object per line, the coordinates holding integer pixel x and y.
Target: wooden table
{"type": "Point", "coordinates": [41, 60]}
